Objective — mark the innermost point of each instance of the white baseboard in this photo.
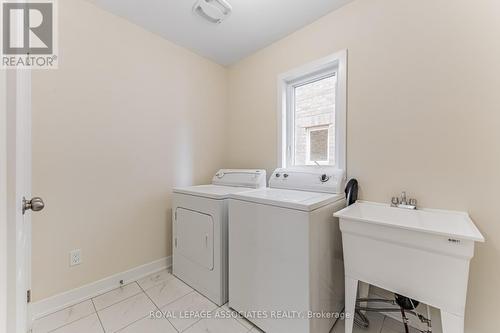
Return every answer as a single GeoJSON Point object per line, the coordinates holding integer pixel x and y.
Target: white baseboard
{"type": "Point", "coordinates": [58, 302]}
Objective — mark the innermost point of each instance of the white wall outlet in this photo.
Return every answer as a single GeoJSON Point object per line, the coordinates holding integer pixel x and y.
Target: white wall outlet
{"type": "Point", "coordinates": [75, 257]}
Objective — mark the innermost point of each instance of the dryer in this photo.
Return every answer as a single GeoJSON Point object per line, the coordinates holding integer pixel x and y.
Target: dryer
{"type": "Point", "coordinates": [286, 271]}
{"type": "Point", "coordinates": [200, 233]}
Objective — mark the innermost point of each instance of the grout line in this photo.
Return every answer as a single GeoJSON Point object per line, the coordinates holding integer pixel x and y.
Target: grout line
{"type": "Point", "coordinates": [240, 317]}
{"type": "Point", "coordinates": [147, 315]}
{"type": "Point", "coordinates": [200, 319]}
{"type": "Point", "coordinates": [175, 300]}
{"type": "Point", "coordinates": [127, 298]}
{"type": "Point", "coordinates": [230, 318]}
{"type": "Point", "coordinates": [121, 329]}
{"type": "Point", "coordinates": [97, 313]}
{"type": "Point", "coordinates": [196, 322]}
{"type": "Point", "coordinates": [91, 299]}
{"type": "Point", "coordinates": [157, 307]}
{"type": "Point", "coordinates": [144, 291]}
{"type": "Point", "coordinates": [158, 282]}
{"type": "Point", "coordinates": [192, 325]}
{"type": "Point", "coordinates": [71, 322]}
{"type": "Point", "coordinates": [83, 301]}
{"type": "Point", "coordinates": [65, 308]}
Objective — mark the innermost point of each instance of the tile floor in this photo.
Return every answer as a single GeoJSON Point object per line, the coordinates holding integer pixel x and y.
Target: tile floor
{"type": "Point", "coordinates": [127, 310]}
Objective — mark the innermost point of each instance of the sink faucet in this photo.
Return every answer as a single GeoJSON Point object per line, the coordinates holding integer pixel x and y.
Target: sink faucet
{"type": "Point", "coordinates": [403, 202]}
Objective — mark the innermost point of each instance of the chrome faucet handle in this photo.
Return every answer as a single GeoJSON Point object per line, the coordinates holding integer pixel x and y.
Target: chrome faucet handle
{"type": "Point", "coordinates": [413, 202]}
{"type": "Point", "coordinates": [403, 198]}
{"type": "Point", "coordinates": [395, 201]}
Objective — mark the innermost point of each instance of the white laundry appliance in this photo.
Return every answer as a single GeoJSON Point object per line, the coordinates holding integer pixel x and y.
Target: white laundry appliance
{"type": "Point", "coordinates": [286, 270]}
{"type": "Point", "coordinates": [200, 233]}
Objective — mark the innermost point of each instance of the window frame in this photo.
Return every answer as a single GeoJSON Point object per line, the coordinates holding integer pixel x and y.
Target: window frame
{"type": "Point", "coordinates": [287, 82]}
{"type": "Point", "coordinates": [308, 144]}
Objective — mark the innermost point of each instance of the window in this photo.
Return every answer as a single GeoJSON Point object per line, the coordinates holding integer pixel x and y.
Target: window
{"type": "Point", "coordinates": [312, 114]}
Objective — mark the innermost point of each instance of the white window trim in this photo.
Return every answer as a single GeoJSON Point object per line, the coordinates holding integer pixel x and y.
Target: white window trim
{"type": "Point", "coordinates": [313, 71]}
{"type": "Point", "coordinates": [308, 144]}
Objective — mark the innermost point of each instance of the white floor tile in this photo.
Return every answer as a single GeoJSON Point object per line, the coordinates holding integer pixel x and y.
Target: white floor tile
{"type": "Point", "coordinates": [148, 325]}
{"type": "Point", "coordinates": [90, 324]}
{"type": "Point", "coordinates": [376, 321]}
{"type": "Point", "coordinates": [179, 310]}
{"type": "Point", "coordinates": [154, 279]}
{"type": "Point", "coordinates": [116, 295]}
{"type": "Point", "coordinates": [168, 291]}
{"type": "Point", "coordinates": [126, 312]}
{"type": "Point", "coordinates": [218, 324]}
{"type": "Point", "coordinates": [241, 319]}
{"type": "Point", "coordinates": [63, 317]}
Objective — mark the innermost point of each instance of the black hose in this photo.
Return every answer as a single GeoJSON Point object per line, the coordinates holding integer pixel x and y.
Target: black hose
{"type": "Point", "coordinates": [351, 191]}
{"type": "Point", "coordinates": [405, 320]}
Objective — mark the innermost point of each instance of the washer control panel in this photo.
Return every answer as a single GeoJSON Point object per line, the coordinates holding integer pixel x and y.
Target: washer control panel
{"type": "Point", "coordinates": [327, 180]}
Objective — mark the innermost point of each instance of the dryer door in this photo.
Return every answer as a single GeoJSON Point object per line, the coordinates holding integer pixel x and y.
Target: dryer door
{"type": "Point", "coordinates": [195, 237]}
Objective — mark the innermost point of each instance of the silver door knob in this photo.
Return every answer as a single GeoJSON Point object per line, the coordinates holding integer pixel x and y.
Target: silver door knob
{"type": "Point", "coordinates": [35, 204]}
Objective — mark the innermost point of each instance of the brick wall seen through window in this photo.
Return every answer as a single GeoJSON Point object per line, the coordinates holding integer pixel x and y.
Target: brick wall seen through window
{"type": "Point", "coordinates": [315, 117]}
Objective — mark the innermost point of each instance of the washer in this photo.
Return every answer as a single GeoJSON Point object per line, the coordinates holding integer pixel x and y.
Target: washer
{"type": "Point", "coordinates": [200, 230]}
{"type": "Point", "coordinates": [285, 251]}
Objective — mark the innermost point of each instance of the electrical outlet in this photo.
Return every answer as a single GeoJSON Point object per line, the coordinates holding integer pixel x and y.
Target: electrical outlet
{"type": "Point", "coordinates": [75, 257]}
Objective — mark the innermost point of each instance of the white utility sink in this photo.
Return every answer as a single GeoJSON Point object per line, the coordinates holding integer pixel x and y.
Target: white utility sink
{"type": "Point", "coordinates": [422, 254]}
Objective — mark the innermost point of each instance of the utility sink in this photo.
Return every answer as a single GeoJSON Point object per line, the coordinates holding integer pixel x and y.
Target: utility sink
{"type": "Point", "coordinates": [456, 225]}
{"type": "Point", "coordinates": [422, 254]}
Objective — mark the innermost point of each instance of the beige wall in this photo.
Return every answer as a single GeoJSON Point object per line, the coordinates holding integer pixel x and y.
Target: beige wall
{"type": "Point", "coordinates": [125, 117]}
{"type": "Point", "coordinates": [423, 112]}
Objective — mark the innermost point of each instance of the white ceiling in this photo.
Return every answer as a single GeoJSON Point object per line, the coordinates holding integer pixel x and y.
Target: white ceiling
{"type": "Point", "coordinates": [252, 25]}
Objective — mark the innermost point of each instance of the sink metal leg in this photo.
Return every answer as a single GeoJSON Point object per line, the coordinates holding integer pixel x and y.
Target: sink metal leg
{"type": "Point", "coordinates": [351, 289]}
{"type": "Point", "coordinates": [363, 292]}
{"type": "Point", "coordinates": [451, 322]}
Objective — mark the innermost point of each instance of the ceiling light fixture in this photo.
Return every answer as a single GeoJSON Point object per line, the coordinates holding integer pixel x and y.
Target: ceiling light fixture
{"type": "Point", "coordinates": [214, 11]}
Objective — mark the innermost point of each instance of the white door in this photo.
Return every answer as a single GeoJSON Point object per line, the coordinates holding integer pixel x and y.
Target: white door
{"type": "Point", "coordinates": [23, 193]}
{"type": "Point", "coordinates": [3, 202]}
{"type": "Point", "coordinates": [19, 203]}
